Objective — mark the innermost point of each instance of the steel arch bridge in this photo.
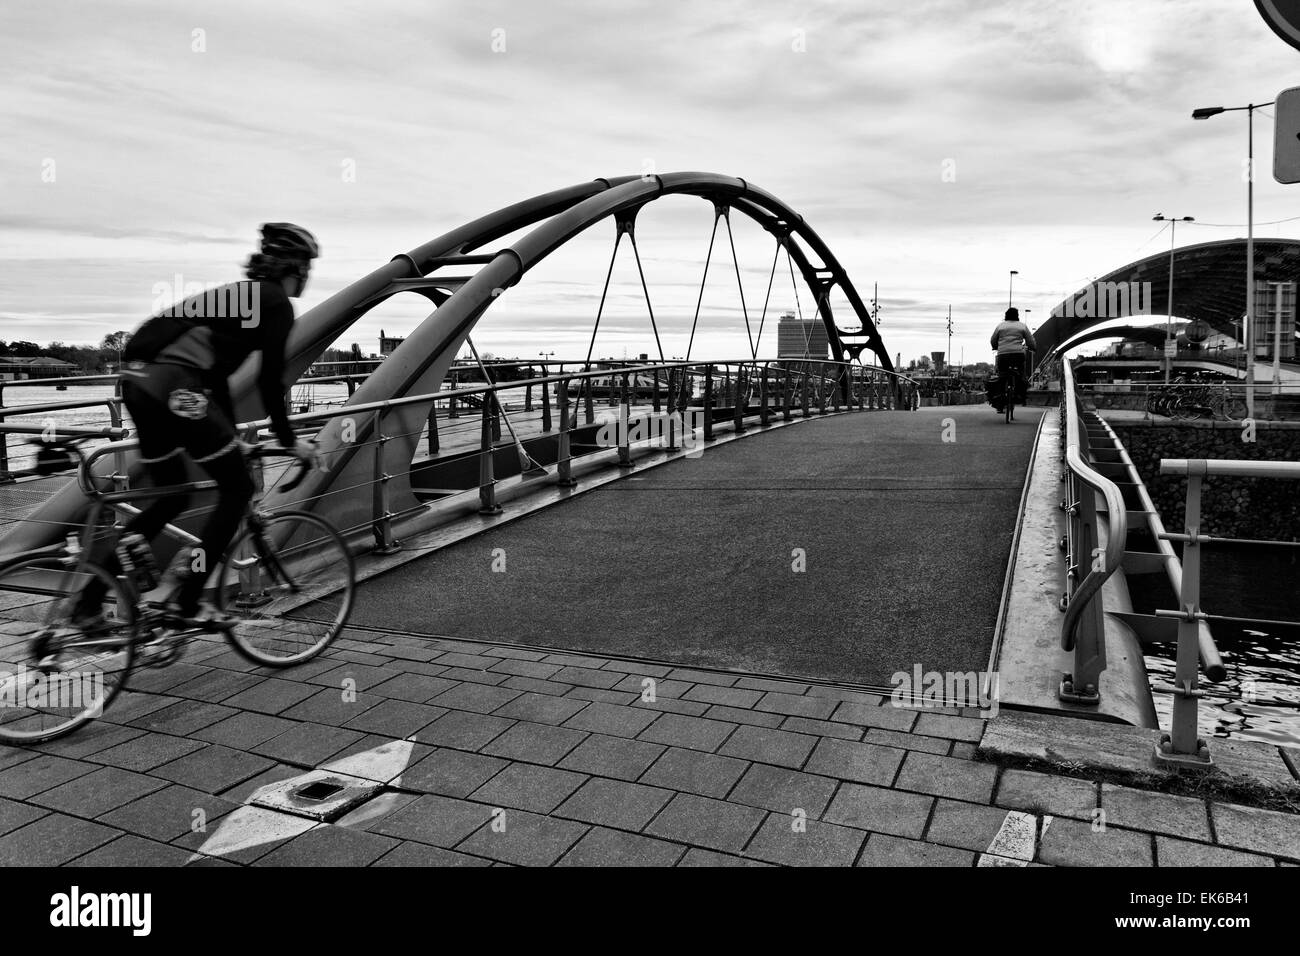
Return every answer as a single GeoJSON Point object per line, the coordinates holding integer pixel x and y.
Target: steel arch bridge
{"type": "Point", "coordinates": [462, 283]}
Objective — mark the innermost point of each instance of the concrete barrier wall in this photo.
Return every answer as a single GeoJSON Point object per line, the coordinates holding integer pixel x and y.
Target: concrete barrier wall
{"type": "Point", "coordinates": [1232, 507]}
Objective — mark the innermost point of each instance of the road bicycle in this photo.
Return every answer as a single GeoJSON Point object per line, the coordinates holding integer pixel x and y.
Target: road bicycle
{"type": "Point", "coordinates": [285, 584]}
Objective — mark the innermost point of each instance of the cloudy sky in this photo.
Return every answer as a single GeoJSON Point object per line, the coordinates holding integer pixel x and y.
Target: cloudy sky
{"type": "Point", "coordinates": [934, 144]}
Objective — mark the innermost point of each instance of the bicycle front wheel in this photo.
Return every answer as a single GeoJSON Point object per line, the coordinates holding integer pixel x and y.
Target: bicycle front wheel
{"type": "Point", "coordinates": [288, 581]}
{"type": "Point", "coordinates": [1234, 408]}
{"type": "Point", "coordinates": [56, 675]}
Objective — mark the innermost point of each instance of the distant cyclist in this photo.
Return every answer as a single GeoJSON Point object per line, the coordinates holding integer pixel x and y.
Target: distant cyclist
{"type": "Point", "coordinates": [1011, 339]}
{"type": "Point", "coordinates": [174, 384]}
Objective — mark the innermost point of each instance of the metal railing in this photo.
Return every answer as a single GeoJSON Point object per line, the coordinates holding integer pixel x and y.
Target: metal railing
{"type": "Point", "coordinates": [1088, 565]}
{"type": "Point", "coordinates": [1183, 745]}
{"type": "Point", "coordinates": [736, 393]}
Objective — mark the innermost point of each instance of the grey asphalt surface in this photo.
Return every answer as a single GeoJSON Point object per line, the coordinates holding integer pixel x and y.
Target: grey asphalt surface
{"type": "Point", "coordinates": [906, 538]}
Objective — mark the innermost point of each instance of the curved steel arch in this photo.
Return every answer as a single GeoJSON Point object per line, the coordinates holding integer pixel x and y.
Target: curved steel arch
{"type": "Point", "coordinates": [420, 363]}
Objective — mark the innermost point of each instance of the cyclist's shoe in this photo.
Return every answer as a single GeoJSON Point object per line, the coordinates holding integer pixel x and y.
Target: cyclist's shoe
{"type": "Point", "coordinates": [204, 618]}
{"type": "Point", "coordinates": [88, 622]}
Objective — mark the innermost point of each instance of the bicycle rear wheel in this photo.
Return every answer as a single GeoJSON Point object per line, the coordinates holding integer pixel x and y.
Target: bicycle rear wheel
{"type": "Point", "coordinates": [289, 583]}
{"type": "Point", "coordinates": [55, 676]}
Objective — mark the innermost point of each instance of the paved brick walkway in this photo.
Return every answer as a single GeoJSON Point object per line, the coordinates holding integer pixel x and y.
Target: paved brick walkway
{"type": "Point", "coordinates": [517, 757]}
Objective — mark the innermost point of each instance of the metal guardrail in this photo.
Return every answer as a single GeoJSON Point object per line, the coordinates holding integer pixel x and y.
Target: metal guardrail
{"type": "Point", "coordinates": [751, 388]}
{"type": "Point", "coordinates": [1083, 630]}
{"type": "Point", "coordinates": [1183, 745]}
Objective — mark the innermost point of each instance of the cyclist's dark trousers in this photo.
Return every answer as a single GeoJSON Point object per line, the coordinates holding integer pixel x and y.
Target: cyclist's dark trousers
{"type": "Point", "coordinates": [1013, 360]}
{"type": "Point", "coordinates": [174, 414]}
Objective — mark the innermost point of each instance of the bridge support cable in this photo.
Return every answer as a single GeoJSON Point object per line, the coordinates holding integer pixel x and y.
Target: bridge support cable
{"type": "Point", "coordinates": [717, 213]}
{"type": "Point", "coordinates": [776, 254]}
{"type": "Point", "coordinates": [646, 291]}
{"type": "Point", "coordinates": [740, 286]}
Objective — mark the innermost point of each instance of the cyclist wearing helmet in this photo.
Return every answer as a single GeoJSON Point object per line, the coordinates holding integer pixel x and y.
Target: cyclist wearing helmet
{"type": "Point", "coordinates": [1010, 340]}
{"type": "Point", "coordinates": [174, 384]}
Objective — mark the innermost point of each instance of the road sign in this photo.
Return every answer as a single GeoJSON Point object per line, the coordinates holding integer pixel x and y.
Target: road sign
{"type": "Point", "coordinates": [1283, 18]}
{"type": "Point", "coordinates": [1171, 349]}
{"type": "Point", "coordinates": [1286, 136]}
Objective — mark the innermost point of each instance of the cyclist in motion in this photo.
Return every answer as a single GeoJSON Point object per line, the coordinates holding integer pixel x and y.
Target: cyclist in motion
{"type": "Point", "coordinates": [174, 384]}
{"type": "Point", "coordinates": [1012, 340]}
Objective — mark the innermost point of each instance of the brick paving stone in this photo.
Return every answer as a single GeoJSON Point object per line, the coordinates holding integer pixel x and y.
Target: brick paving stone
{"type": "Point", "coordinates": [169, 814]}
{"type": "Point", "coordinates": [532, 685]}
{"type": "Point", "coordinates": [159, 680]}
{"type": "Point", "coordinates": [867, 715]}
{"type": "Point", "coordinates": [14, 815]}
{"type": "Point", "coordinates": [694, 771]}
{"type": "Point", "coordinates": [954, 728]}
{"type": "Point", "coordinates": [213, 769]}
{"type": "Point", "coordinates": [964, 750]}
{"type": "Point", "coordinates": [587, 677]}
{"type": "Point", "coordinates": [607, 756]}
{"type": "Point", "coordinates": [696, 733]}
{"type": "Point", "coordinates": [885, 850]}
{"type": "Point", "coordinates": [183, 718]}
{"type": "Point", "coordinates": [230, 660]}
{"type": "Point", "coordinates": [1075, 843]}
{"type": "Point", "coordinates": [637, 667]}
{"type": "Point", "coordinates": [783, 791]}
{"type": "Point", "coordinates": [39, 774]}
{"type": "Point", "coordinates": [452, 773]}
{"type": "Point", "coordinates": [703, 677]}
{"type": "Point", "coordinates": [614, 803]}
{"type": "Point", "coordinates": [474, 662]}
{"type": "Point", "coordinates": [863, 763]}
{"type": "Point", "coordinates": [128, 705]}
{"type": "Point", "coordinates": [738, 716]}
{"type": "Point", "coordinates": [1044, 793]}
{"type": "Point", "coordinates": [822, 728]}
{"type": "Point", "coordinates": [794, 705]}
{"type": "Point", "coordinates": [271, 696]}
{"type": "Point", "coordinates": [517, 653]}
{"type": "Point", "coordinates": [1168, 813]}
{"type": "Point", "coordinates": [894, 738]}
{"type": "Point", "coordinates": [378, 808]}
{"type": "Point", "coordinates": [817, 844]}
{"type": "Point", "coordinates": [542, 708]}
{"type": "Point", "coordinates": [148, 751]}
{"type": "Point", "coordinates": [307, 744]}
{"type": "Point", "coordinates": [330, 846]}
{"type": "Point", "coordinates": [464, 731]}
{"type": "Point", "coordinates": [700, 821]}
{"type": "Point", "coordinates": [1264, 831]}
{"type": "Point", "coordinates": [535, 669]}
{"type": "Point", "coordinates": [214, 686]}
{"type": "Point", "coordinates": [671, 705]}
{"type": "Point", "coordinates": [611, 719]}
{"type": "Point", "coordinates": [880, 810]}
{"type": "Point", "coordinates": [332, 706]}
{"type": "Point", "coordinates": [970, 826]}
{"type": "Point", "coordinates": [479, 698]}
{"type": "Point", "coordinates": [604, 847]}
{"type": "Point", "coordinates": [841, 693]}
{"type": "Point", "coordinates": [12, 756]}
{"type": "Point", "coordinates": [395, 718]}
{"type": "Point", "coordinates": [388, 767]}
{"type": "Point", "coordinates": [725, 696]}
{"type": "Point", "coordinates": [422, 855]}
{"type": "Point", "coordinates": [96, 793]}
{"type": "Point", "coordinates": [466, 675]}
{"type": "Point", "coordinates": [576, 660]}
{"type": "Point", "coordinates": [947, 777]}
{"type": "Point", "coordinates": [640, 684]}
{"type": "Point", "coordinates": [1171, 852]}
{"type": "Point", "coordinates": [417, 688]}
{"type": "Point", "coordinates": [440, 821]}
{"type": "Point", "coordinates": [697, 857]}
{"type": "Point", "coordinates": [356, 676]}
{"type": "Point", "coordinates": [52, 841]}
{"type": "Point", "coordinates": [131, 850]}
{"type": "Point", "coordinates": [529, 787]}
{"type": "Point", "coordinates": [526, 840]}
{"type": "Point", "coordinates": [244, 731]}
{"type": "Point", "coordinates": [775, 686]}
{"type": "Point", "coordinates": [535, 743]}
{"type": "Point", "coordinates": [621, 698]}
{"type": "Point", "coordinates": [765, 745]}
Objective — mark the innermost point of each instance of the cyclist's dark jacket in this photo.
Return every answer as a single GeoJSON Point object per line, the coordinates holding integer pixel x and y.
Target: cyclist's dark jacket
{"type": "Point", "coordinates": [214, 332]}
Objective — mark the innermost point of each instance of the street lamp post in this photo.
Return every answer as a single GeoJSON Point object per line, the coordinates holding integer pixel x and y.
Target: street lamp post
{"type": "Point", "coordinates": [1169, 311]}
{"type": "Point", "coordinates": [1206, 113]}
{"type": "Point", "coordinates": [1010, 285]}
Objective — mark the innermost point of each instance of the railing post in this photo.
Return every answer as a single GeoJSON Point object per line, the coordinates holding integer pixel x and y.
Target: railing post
{"type": "Point", "coordinates": [490, 401]}
{"type": "Point", "coordinates": [546, 406]}
{"type": "Point", "coordinates": [487, 495]}
{"type": "Point", "coordinates": [803, 376]}
{"type": "Point", "coordinates": [382, 527]}
{"type": "Point", "coordinates": [656, 391]}
{"type": "Point", "coordinates": [591, 408]}
{"type": "Point", "coordinates": [764, 413]}
{"type": "Point", "coordinates": [738, 413]}
{"type": "Point", "coordinates": [624, 427]}
{"type": "Point", "coordinates": [434, 445]}
{"type": "Point", "coordinates": [563, 473]}
{"type": "Point", "coordinates": [708, 403]}
{"type": "Point", "coordinates": [528, 398]}
{"type": "Point", "coordinates": [1082, 685]}
{"type": "Point", "coordinates": [787, 393]}
{"type": "Point", "coordinates": [671, 418]}
{"type": "Point", "coordinates": [821, 391]}
{"type": "Point", "coordinates": [1183, 744]}
{"type": "Point", "coordinates": [4, 440]}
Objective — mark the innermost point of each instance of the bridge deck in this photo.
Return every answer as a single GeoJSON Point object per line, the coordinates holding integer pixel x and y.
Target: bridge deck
{"type": "Point", "coordinates": [906, 538]}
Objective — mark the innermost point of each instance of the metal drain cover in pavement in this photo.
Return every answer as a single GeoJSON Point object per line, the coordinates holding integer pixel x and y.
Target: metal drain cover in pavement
{"type": "Point", "coordinates": [318, 795]}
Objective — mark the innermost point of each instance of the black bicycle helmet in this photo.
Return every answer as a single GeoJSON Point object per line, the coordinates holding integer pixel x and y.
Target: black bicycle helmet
{"type": "Point", "coordinates": [284, 240]}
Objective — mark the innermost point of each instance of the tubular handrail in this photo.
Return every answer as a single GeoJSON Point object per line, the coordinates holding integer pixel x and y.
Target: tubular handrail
{"type": "Point", "coordinates": [1230, 467]}
{"type": "Point", "coordinates": [1116, 514]}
